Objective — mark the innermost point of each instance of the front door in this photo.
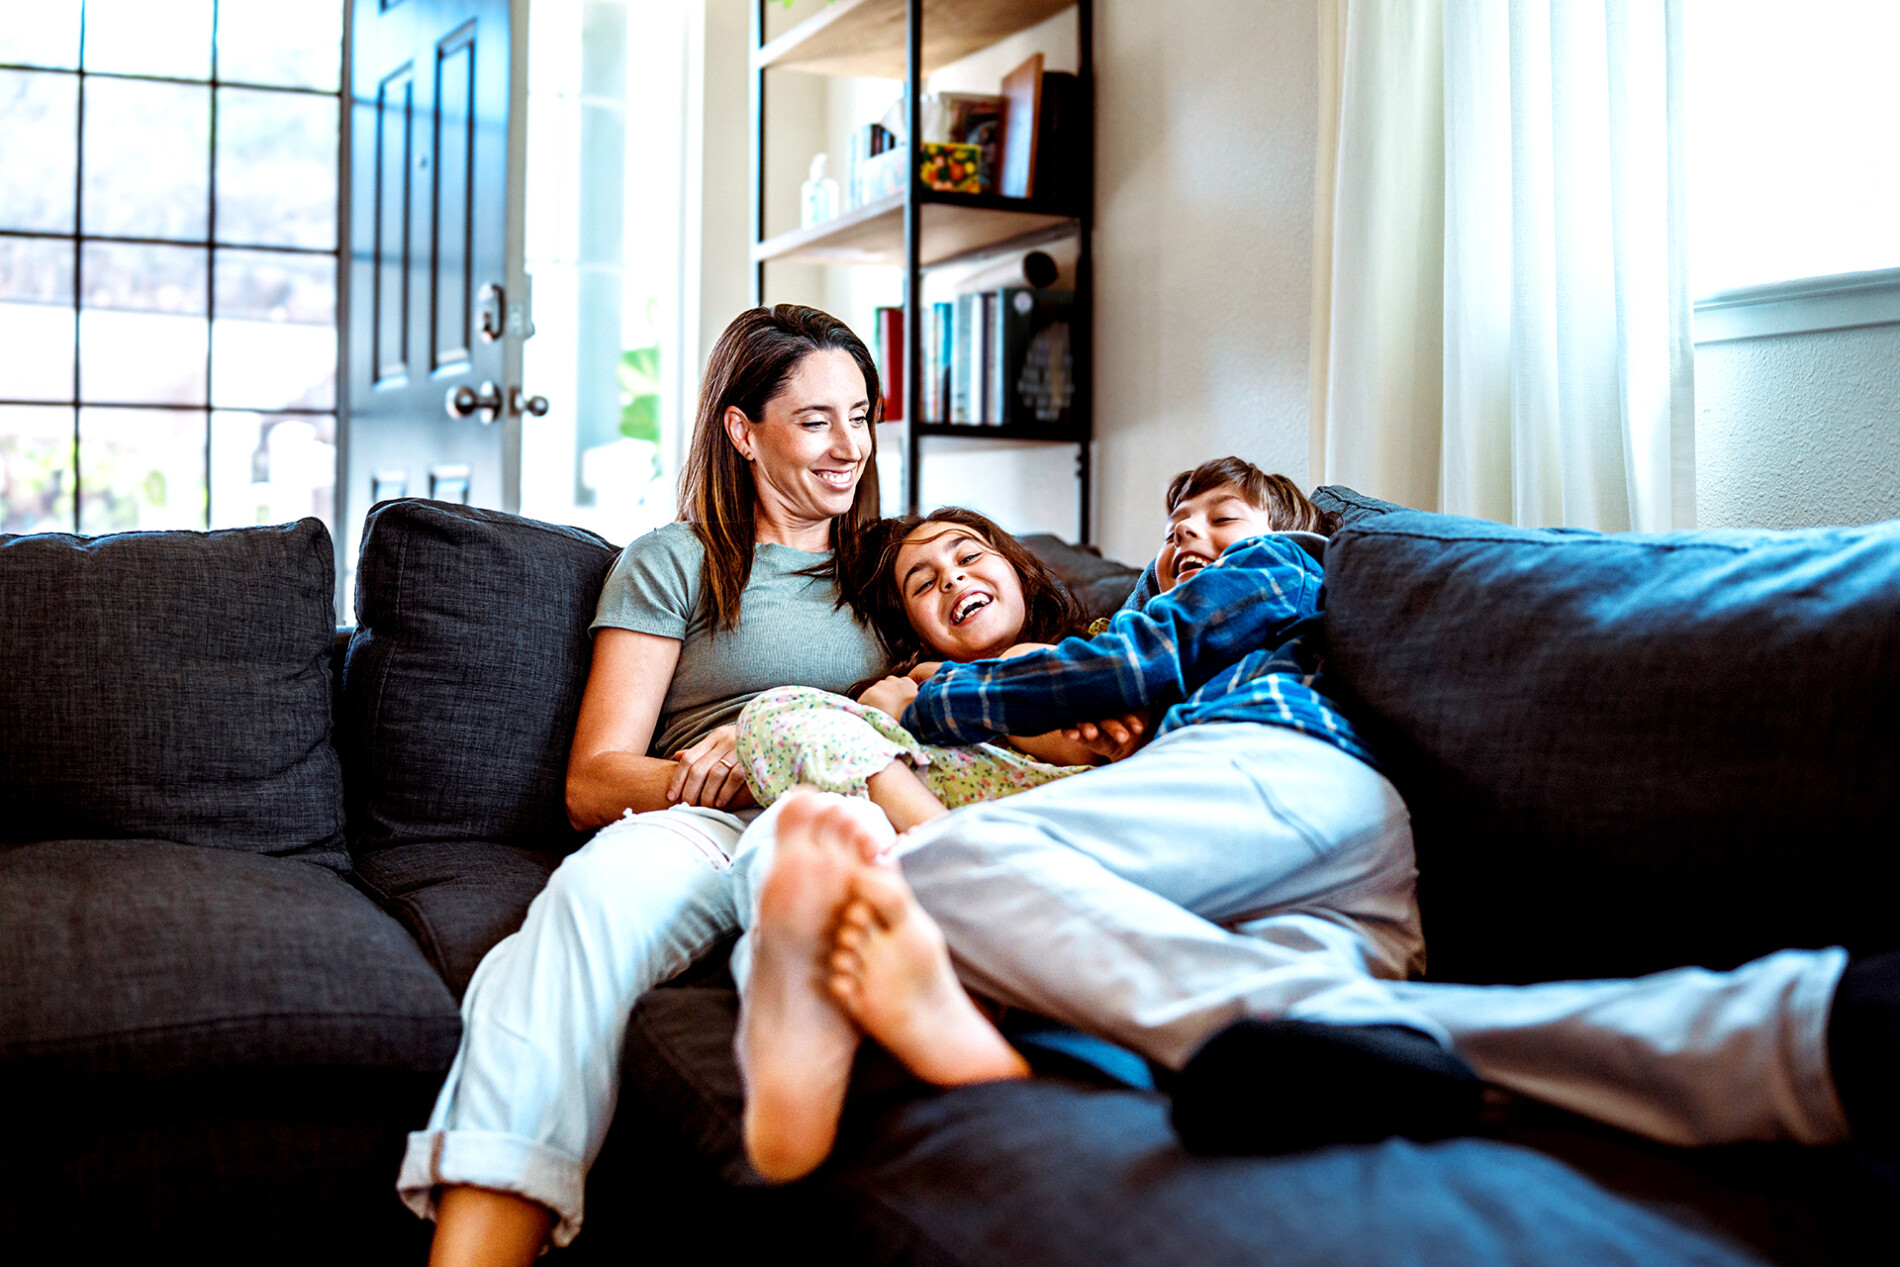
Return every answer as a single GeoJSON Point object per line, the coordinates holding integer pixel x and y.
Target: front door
{"type": "Point", "coordinates": [429, 401]}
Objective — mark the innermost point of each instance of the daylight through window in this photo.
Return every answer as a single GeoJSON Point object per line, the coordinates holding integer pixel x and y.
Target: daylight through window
{"type": "Point", "coordinates": [168, 263]}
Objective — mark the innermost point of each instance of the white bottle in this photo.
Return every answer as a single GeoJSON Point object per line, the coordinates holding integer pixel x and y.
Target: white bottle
{"type": "Point", "coordinates": [818, 196]}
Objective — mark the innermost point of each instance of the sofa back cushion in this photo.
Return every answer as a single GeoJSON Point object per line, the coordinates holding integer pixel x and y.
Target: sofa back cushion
{"type": "Point", "coordinates": [172, 686]}
{"type": "Point", "coordinates": [1624, 753]}
{"type": "Point", "coordinates": [464, 676]}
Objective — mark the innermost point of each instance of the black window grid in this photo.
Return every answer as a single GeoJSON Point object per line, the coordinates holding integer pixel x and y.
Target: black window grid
{"type": "Point", "coordinates": [78, 237]}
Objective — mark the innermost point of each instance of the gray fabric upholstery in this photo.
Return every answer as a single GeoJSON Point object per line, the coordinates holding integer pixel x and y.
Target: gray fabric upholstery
{"type": "Point", "coordinates": [123, 957]}
{"type": "Point", "coordinates": [1351, 505]}
{"type": "Point", "coordinates": [464, 676]}
{"type": "Point", "coordinates": [1623, 753]}
{"type": "Point", "coordinates": [456, 898]}
{"type": "Point", "coordinates": [171, 686]}
{"type": "Point", "coordinates": [1100, 585]}
{"type": "Point", "coordinates": [1052, 1171]}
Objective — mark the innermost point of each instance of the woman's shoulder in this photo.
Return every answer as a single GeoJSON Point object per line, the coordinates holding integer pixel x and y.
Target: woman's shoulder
{"type": "Point", "coordinates": [654, 584]}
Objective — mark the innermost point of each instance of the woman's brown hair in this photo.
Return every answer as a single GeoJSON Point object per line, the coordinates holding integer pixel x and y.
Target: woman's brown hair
{"type": "Point", "coordinates": [1286, 507]}
{"type": "Point", "coordinates": [755, 357]}
{"type": "Point", "coordinates": [1050, 612]}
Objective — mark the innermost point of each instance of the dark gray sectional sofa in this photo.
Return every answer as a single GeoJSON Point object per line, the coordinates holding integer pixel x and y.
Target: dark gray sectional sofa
{"type": "Point", "coordinates": [246, 870]}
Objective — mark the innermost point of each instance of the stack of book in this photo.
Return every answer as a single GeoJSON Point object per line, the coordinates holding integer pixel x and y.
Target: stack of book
{"type": "Point", "coordinates": [998, 358]}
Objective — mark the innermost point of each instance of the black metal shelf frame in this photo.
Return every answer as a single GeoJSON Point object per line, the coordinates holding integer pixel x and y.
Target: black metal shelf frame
{"type": "Point", "coordinates": [1080, 430]}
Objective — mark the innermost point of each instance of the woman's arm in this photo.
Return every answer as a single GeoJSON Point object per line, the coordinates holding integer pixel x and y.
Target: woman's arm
{"type": "Point", "coordinates": [608, 769]}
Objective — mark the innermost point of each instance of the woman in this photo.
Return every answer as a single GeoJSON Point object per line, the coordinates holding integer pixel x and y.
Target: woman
{"type": "Point", "coordinates": [695, 619]}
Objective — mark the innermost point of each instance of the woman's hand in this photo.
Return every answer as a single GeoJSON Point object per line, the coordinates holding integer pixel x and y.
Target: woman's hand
{"type": "Point", "coordinates": [892, 695]}
{"type": "Point", "coordinates": [1112, 738]}
{"type": "Point", "coordinates": [709, 773]}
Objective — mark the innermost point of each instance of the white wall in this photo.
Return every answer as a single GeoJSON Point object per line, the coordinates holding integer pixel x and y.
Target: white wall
{"type": "Point", "coordinates": [1799, 430]}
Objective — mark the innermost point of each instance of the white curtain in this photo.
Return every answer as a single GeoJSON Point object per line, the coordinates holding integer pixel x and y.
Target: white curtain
{"type": "Point", "coordinates": [1507, 309]}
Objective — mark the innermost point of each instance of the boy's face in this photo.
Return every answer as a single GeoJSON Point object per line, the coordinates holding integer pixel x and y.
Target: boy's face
{"type": "Point", "coordinates": [1201, 527]}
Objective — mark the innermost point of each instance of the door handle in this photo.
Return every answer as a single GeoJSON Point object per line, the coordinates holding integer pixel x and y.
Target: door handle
{"type": "Point", "coordinates": [469, 402]}
{"type": "Point", "coordinates": [519, 402]}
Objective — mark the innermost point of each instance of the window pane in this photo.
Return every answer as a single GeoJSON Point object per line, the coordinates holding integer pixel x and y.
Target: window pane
{"type": "Point", "coordinates": [44, 33]}
{"type": "Point", "coordinates": [269, 468]}
{"type": "Point", "coordinates": [274, 340]}
{"type": "Point", "coordinates": [142, 468]}
{"type": "Point", "coordinates": [36, 469]}
{"type": "Point", "coordinates": [140, 37]}
{"type": "Point", "coordinates": [1791, 156]}
{"type": "Point", "coordinates": [141, 325]}
{"type": "Point", "coordinates": [276, 168]}
{"type": "Point", "coordinates": [36, 319]}
{"type": "Point", "coordinates": [147, 150]}
{"type": "Point", "coordinates": [265, 42]}
{"type": "Point", "coordinates": [39, 135]}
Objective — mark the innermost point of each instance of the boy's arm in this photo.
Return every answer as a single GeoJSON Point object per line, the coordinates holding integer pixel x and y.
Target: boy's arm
{"type": "Point", "coordinates": [1152, 659]}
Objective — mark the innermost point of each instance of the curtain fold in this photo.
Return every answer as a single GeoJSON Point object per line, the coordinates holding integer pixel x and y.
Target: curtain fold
{"type": "Point", "coordinates": [1534, 149]}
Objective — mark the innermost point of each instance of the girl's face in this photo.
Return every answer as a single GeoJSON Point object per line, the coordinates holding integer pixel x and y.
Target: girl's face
{"type": "Point", "coordinates": [1201, 527]}
{"type": "Point", "coordinates": [963, 598]}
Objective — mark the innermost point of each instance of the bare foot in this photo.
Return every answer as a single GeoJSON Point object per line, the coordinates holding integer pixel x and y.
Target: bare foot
{"type": "Point", "coordinates": [890, 971]}
{"type": "Point", "coordinates": [794, 1045]}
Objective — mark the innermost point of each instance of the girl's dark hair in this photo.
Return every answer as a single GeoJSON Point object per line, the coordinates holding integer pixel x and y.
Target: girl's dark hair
{"type": "Point", "coordinates": [1050, 613]}
{"type": "Point", "coordinates": [1286, 507]}
{"type": "Point", "coordinates": [751, 364]}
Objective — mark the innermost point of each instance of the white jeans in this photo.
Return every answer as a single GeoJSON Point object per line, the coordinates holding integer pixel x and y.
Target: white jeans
{"type": "Point", "coordinates": [528, 1101]}
{"type": "Point", "coordinates": [1244, 870]}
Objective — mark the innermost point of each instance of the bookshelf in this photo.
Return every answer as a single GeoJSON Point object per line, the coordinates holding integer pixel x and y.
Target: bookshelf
{"type": "Point", "coordinates": [919, 228]}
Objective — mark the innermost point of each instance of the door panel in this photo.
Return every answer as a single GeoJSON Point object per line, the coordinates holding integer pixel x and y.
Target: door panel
{"type": "Point", "coordinates": [428, 160]}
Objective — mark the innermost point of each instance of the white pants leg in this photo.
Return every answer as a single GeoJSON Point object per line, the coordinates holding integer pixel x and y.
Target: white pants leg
{"type": "Point", "coordinates": [1116, 902]}
{"type": "Point", "coordinates": [1687, 1057]}
{"type": "Point", "coordinates": [1096, 900]}
{"type": "Point", "coordinates": [528, 1101]}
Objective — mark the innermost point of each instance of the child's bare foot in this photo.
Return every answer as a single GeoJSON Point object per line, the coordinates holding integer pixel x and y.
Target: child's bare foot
{"type": "Point", "coordinates": [891, 973]}
{"type": "Point", "coordinates": [794, 1045]}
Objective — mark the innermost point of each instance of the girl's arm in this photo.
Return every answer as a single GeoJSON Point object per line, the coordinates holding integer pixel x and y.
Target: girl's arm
{"type": "Point", "coordinates": [608, 769]}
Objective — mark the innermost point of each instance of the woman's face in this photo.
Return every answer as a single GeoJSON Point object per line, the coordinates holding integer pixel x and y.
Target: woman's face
{"type": "Point", "coordinates": [963, 598]}
{"type": "Point", "coordinates": [809, 450]}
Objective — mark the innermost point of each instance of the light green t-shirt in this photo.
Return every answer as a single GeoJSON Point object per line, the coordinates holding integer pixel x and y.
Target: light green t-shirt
{"type": "Point", "coordinates": [790, 632]}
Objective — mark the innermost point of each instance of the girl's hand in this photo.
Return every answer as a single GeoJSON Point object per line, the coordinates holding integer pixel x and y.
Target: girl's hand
{"type": "Point", "coordinates": [709, 773]}
{"type": "Point", "coordinates": [892, 695]}
{"type": "Point", "coordinates": [1112, 738]}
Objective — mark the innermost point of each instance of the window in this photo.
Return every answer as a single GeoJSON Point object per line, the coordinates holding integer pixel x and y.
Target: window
{"type": "Point", "coordinates": [1793, 172]}
{"type": "Point", "coordinates": [168, 263]}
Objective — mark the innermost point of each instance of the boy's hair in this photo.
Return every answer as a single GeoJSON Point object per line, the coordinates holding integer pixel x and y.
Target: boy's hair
{"type": "Point", "coordinates": [1286, 507]}
{"type": "Point", "coordinates": [1050, 613]}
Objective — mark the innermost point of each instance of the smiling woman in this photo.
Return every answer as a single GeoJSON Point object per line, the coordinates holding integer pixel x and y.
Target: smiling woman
{"type": "Point", "coordinates": [697, 618]}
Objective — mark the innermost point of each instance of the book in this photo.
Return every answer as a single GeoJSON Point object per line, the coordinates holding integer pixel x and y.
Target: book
{"type": "Point", "coordinates": [1036, 356]}
{"type": "Point", "coordinates": [991, 413]}
{"type": "Point", "coordinates": [890, 361]}
{"type": "Point", "coordinates": [962, 343]}
{"type": "Point", "coordinates": [938, 370]}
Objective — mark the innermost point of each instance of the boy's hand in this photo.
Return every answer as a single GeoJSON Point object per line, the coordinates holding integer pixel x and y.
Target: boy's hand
{"type": "Point", "coordinates": [1112, 738]}
{"type": "Point", "coordinates": [925, 671]}
{"type": "Point", "coordinates": [891, 696]}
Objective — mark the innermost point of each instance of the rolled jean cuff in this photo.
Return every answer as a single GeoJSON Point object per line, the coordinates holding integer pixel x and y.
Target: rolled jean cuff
{"type": "Point", "coordinates": [492, 1159]}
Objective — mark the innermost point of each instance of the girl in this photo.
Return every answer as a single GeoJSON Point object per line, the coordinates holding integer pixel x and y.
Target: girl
{"type": "Point", "coordinates": [949, 586]}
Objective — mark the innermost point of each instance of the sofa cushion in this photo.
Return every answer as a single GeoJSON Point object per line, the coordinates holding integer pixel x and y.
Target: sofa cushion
{"type": "Point", "coordinates": [1053, 1171]}
{"type": "Point", "coordinates": [171, 686]}
{"type": "Point", "coordinates": [145, 957]}
{"type": "Point", "coordinates": [1623, 753]}
{"type": "Point", "coordinates": [456, 898]}
{"type": "Point", "coordinates": [464, 676]}
{"type": "Point", "coordinates": [1351, 505]}
{"type": "Point", "coordinates": [1100, 585]}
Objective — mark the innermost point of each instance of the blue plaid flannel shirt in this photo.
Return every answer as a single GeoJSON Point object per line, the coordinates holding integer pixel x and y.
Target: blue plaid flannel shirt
{"type": "Point", "coordinates": [1234, 642]}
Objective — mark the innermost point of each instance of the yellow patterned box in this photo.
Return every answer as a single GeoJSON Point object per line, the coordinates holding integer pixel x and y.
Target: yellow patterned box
{"type": "Point", "coordinates": [953, 166]}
